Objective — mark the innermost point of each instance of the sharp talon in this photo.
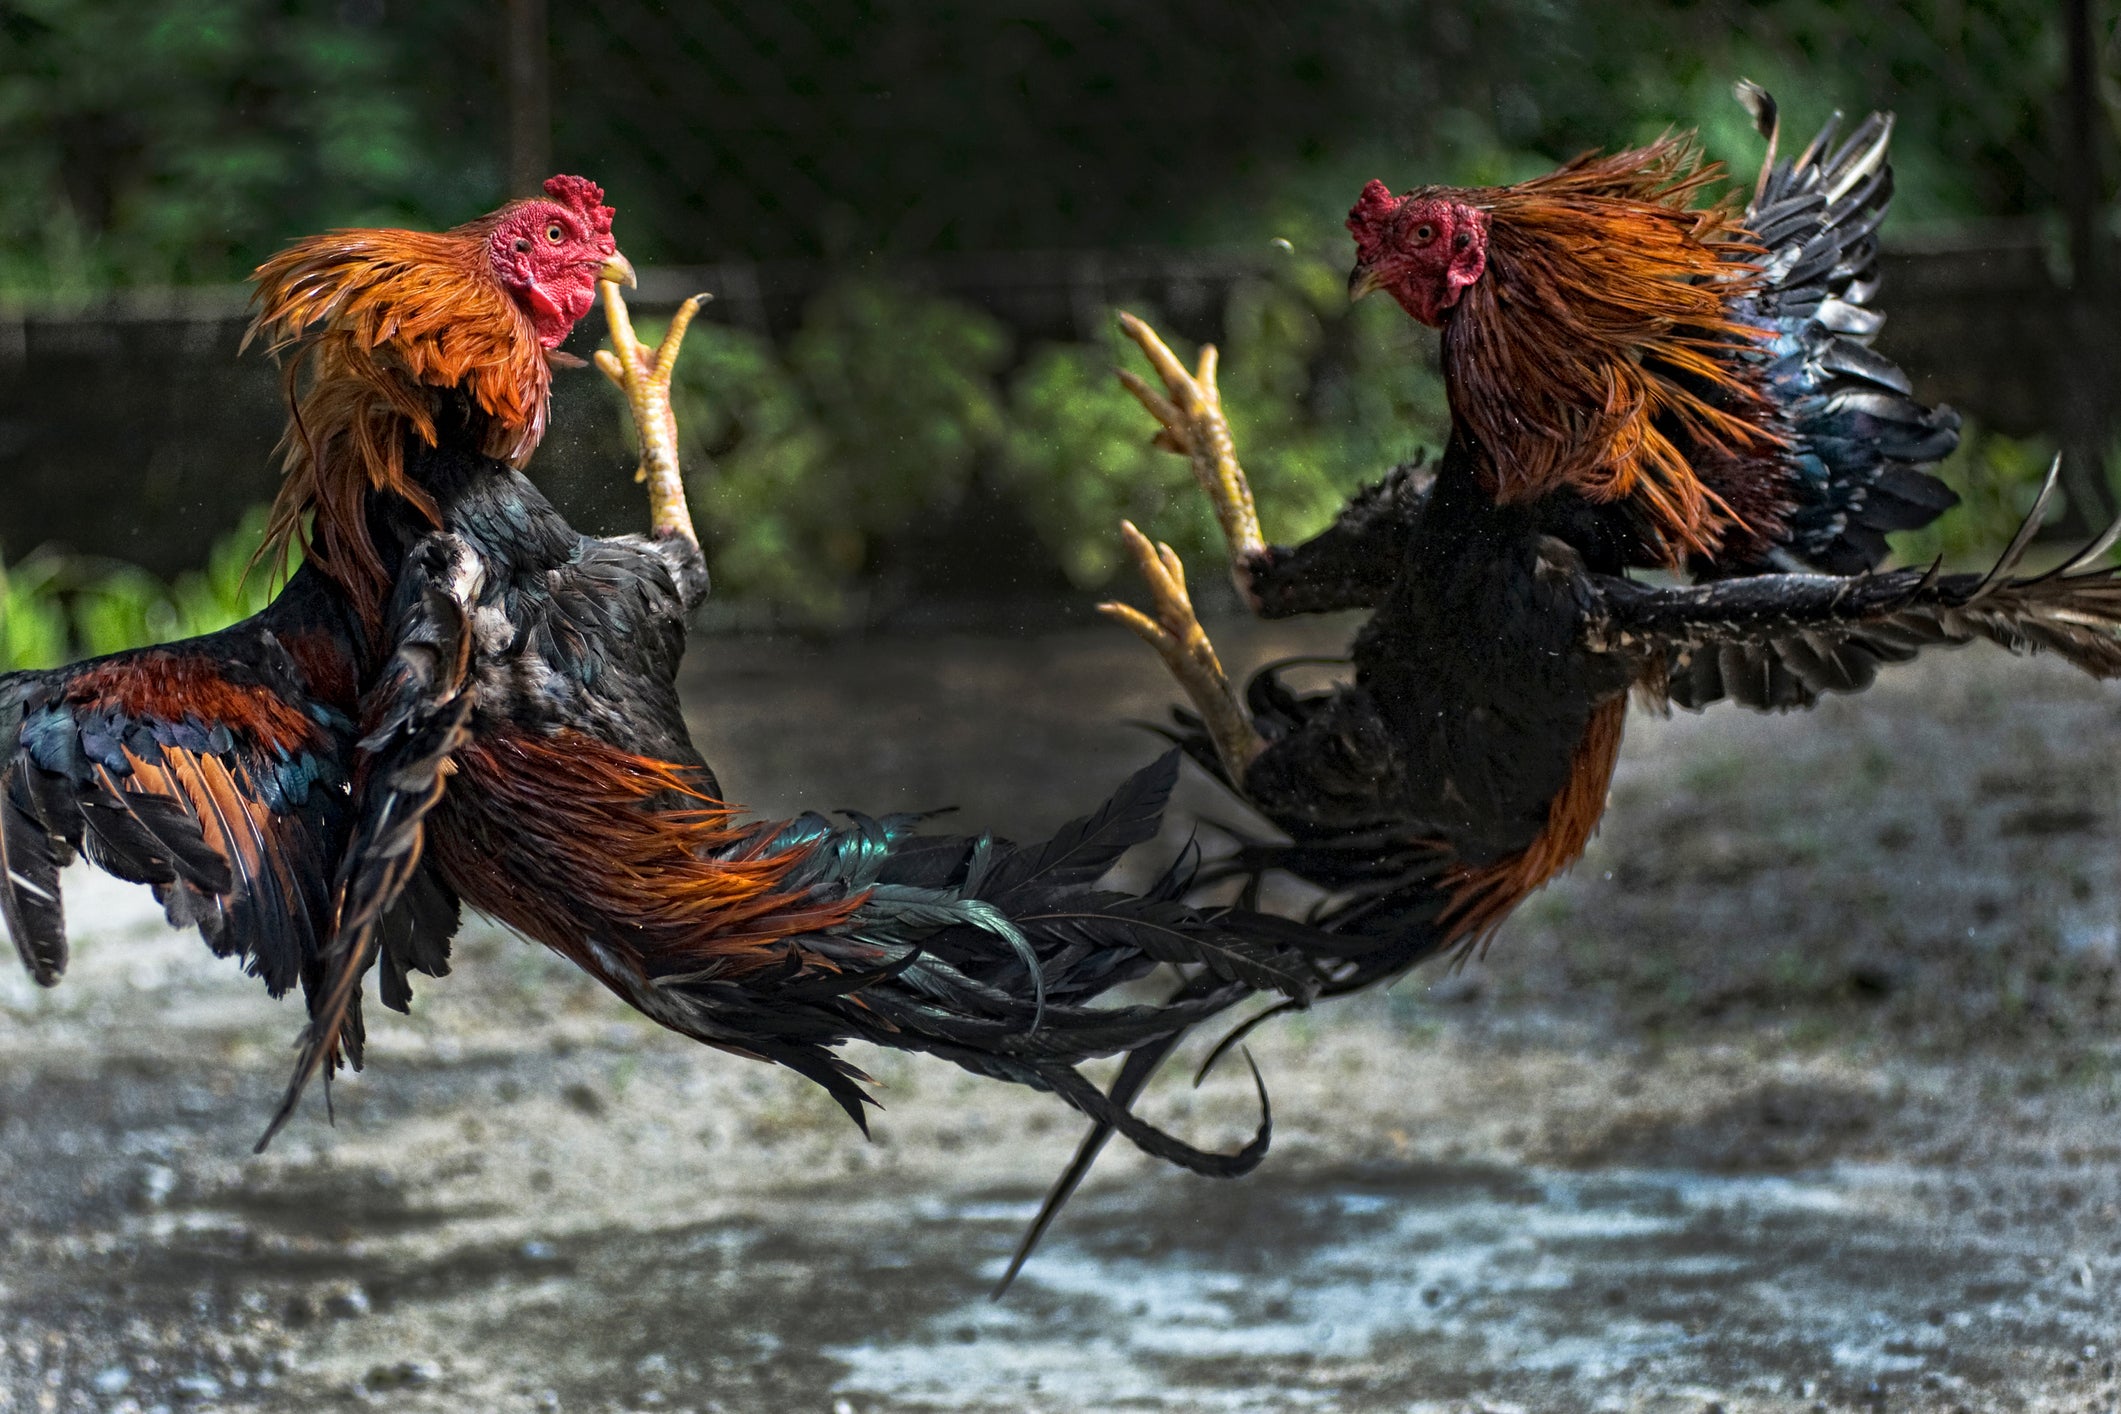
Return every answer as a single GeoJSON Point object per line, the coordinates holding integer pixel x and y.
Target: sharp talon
{"type": "Point", "coordinates": [1174, 631]}
{"type": "Point", "coordinates": [1192, 424]}
{"type": "Point", "coordinates": [1160, 356]}
{"type": "Point", "coordinates": [1144, 627]}
{"type": "Point", "coordinates": [645, 380]}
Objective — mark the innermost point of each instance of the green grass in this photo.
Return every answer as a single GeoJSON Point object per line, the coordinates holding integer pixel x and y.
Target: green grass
{"type": "Point", "coordinates": [55, 607]}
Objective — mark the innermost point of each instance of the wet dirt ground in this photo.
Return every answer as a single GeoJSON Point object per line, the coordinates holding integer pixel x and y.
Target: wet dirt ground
{"type": "Point", "coordinates": [1802, 1092]}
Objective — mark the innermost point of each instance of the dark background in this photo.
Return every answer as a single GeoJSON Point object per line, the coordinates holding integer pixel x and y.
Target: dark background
{"type": "Point", "coordinates": [945, 201]}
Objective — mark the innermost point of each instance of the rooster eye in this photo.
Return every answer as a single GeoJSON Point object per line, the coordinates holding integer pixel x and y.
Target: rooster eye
{"type": "Point", "coordinates": [1424, 233]}
{"type": "Point", "coordinates": [554, 234]}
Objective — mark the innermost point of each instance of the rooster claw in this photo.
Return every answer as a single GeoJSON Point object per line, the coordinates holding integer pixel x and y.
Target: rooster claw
{"type": "Point", "coordinates": [1190, 413]}
{"type": "Point", "coordinates": [643, 375]}
{"type": "Point", "coordinates": [1174, 631]}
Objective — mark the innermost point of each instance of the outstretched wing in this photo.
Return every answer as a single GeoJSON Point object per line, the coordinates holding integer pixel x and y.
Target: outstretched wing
{"type": "Point", "coordinates": [1780, 641]}
{"type": "Point", "coordinates": [415, 717]}
{"type": "Point", "coordinates": [210, 770]}
{"type": "Point", "coordinates": [1858, 435]}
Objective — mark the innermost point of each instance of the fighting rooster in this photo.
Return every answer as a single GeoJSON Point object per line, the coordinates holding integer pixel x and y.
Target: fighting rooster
{"type": "Point", "coordinates": [519, 745]}
{"type": "Point", "coordinates": [248, 776]}
{"type": "Point", "coordinates": [1636, 380]}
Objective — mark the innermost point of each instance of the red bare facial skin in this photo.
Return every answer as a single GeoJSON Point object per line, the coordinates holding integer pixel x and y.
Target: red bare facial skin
{"type": "Point", "coordinates": [1422, 249]}
{"type": "Point", "coordinates": [548, 253]}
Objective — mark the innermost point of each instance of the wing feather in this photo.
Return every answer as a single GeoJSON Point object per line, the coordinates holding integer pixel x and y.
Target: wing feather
{"type": "Point", "coordinates": [205, 769]}
{"type": "Point", "coordinates": [417, 715]}
{"type": "Point", "coordinates": [1782, 640]}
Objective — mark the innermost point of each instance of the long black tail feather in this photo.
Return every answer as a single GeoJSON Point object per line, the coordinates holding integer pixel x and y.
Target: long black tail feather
{"type": "Point", "coordinates": [996, 957]}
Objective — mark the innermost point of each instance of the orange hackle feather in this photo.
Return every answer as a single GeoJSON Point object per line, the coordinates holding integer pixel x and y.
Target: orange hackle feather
{"type": "Point", "coordinates": [570, 832]}
{"type": "Point", "coordinates": [382, 322]}
{"type": "Point", "coordinates": [1601, 330]}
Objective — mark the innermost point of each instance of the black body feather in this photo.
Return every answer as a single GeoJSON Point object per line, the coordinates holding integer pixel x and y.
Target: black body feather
{"type": "Point", "coordinates": [985, 953]}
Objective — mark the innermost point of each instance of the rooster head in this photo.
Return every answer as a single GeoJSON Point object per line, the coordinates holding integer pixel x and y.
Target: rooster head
{"type": "Point", "coordinates": [1423, 248]}
{"type": "Point", "coordinates": [549, 252]}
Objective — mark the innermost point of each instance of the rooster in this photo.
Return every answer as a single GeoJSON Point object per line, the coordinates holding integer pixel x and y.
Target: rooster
{"type": "Point", "coordinates": [504, 732]}
{"type": "Point", "coordinates": [1637, 380]}
{"type": "Point", "coordinates": [247, 775]}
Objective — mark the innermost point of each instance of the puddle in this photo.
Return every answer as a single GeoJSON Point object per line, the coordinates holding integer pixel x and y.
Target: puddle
{"type": "Point", "coordinates": [532, 1203]}
{"type": "Point", "coordinates": [1447, 1282]}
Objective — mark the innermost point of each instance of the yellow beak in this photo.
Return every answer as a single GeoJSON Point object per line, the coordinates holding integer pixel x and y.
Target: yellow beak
{"type": "Point", "coordinates": [619, 269]}
{"type": "Point", "coordinates": [1362, 280]}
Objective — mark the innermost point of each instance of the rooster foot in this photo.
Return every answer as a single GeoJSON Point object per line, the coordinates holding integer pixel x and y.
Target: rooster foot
{"type": "Point", "coordinates": [643, 375]}
{"type": "Point", "coordinates": [1191, 411]}
{"type": "Point", "coordinates": [1176, 635]}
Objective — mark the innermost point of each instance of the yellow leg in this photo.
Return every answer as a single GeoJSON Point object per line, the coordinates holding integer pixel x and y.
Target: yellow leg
{"type": "Point", "coordinates": [1190, 410]}
{"type": "Point", "coordinates": [644, 377]}
{"type": "Point", "coordinates": [1175, 633]}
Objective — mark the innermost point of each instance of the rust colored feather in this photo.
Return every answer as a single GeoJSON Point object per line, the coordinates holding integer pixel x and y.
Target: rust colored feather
{"type": "Point", "coordinates": [380, 323]}
{"type": "Point", "coordinates": [567, 838]}
{"type": "Point", "coordinates": [1482, 898]}
{"type": "Point", "coordinates": [169, 685]}
{"type": "Point", "coordinates": [1601, 333]}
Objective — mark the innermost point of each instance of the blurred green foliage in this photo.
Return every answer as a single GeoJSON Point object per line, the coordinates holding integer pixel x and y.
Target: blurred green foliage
{"type": "Point", "coordinates": [878, 412]}
{"type": "Point", "coordinates": [32, 614]}
{"type": "Point", "coordinates": [55, 607]}
{"type": "Point", "coordinates": [889, 404]}
{"type": "Point", "coordinates": [170, 141]}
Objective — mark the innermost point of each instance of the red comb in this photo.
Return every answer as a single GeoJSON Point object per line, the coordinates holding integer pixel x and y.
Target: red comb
{"type": "Point", "coordinates": [1372, 209]}
{"type": "Point", "coordinates": [585, 197]}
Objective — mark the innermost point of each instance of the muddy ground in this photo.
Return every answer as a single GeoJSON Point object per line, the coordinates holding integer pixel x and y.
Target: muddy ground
{"type": "Point", "coordinates": [1802, 1093]}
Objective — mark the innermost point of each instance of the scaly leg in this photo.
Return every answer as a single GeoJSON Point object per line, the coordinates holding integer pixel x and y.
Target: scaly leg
{"type": "Point", "coordinates": [1175, 633]}
{"type": "Point", "coordinates": [644, 377]}
{"type": "Point", "coordinates": [1191, 411]}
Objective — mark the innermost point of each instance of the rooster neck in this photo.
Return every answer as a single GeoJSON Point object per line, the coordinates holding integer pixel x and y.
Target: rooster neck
{"type": "Point", "coordinates": [398, 339]}
{"type": "Point", "coordinates": [1600, 353]}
